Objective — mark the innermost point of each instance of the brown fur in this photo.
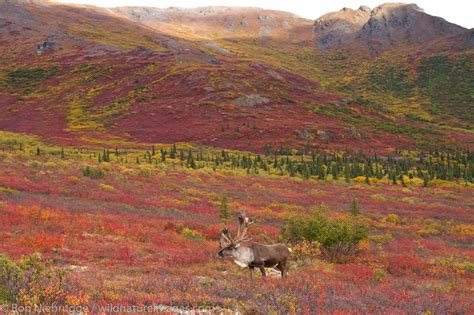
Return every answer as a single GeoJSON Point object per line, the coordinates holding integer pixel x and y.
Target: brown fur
{"type": "Point", "coordinates": [270, 256]}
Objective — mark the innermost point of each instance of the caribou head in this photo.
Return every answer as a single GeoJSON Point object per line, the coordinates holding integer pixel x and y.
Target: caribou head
{"type": "Point", "coordinates": [252, 255]}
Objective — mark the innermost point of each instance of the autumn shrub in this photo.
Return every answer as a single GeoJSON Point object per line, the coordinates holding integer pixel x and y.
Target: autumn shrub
{"type": "Point", "coordinates": [338, 237]}
{"type": "Point", "coordinates": [403, 265]}
{"type": "Point", "coordinates": [391, 218]}
{"type": "Point", "coordinates": [107, 187]}
{"type": "Point", "coordinates": [127, 255]}
{"type": "Point", "coordinates": [357, 273]}
{"type": "Point", "coordinates": [34, 281]}
{"type": "Point", "coordinates": [306, 251]}
{"type": "Point", "coordinates": [188, 233]}
{"type": "Point", "coordinates": [93, 172]}
{"type": "Point", "coordinates": [43, 242]}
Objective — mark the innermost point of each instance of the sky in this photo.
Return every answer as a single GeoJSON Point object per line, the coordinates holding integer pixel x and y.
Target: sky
{"type": "Point", "coordinates": [460, 12]}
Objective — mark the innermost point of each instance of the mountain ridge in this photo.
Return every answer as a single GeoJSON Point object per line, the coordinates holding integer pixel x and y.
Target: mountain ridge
{"type": "Point", "coordinates": [86, 74]}
{"type": "Point", "coordinates": [386, 26]}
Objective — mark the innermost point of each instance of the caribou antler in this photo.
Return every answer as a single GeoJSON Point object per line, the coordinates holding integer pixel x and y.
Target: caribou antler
{"type": "Point", "coordinates": [225, 237]}
{"type": "Point", "coordinates": [244, 223]}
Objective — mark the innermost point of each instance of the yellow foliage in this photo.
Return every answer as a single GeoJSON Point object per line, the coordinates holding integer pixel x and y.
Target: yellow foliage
{"type": "Point", "coordinates": [359, 179]}
{"type": "Point", "coordinates": [412, 200]}
{"type": "Point", "coordinates": [364, 245]}
{"type": "Point", "coordinates": [7, 190]}
{"type": "Point", "coordinates": [466, 229]}
{"type": "Point", "coordinates": [107, 187]}
{"type": "Point", "coordinates": [188, 233]}
{"type": "Point", "coordinates": [442, 183]}
{"type": "Point", "coordinates": [391, 218]}
{"type": "Point", "coordinates": [73, 179]}
{"type": "Point", "coordinates": [430, 230]}
{"type": "Point", "coordinates": [145, 171]}
{"type": "Point", "coordinates": [306, 250]}
{"type": "Point", "coordinates": [381, 239]}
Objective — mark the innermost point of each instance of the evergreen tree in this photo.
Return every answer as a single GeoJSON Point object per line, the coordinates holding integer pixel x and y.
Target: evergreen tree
{"type": "Point", "coordinates": [224, 213]}
{"type": "Point", "coordinates": [354, 210]}
{"type": "Point", "coordinates": [426, 180]}
{"type": "Point", "coordinates": [163, 154]}
{"type": "Point", "coordinates": [173, 152]}
{"type": "Point", "coordinates": [267, 149]}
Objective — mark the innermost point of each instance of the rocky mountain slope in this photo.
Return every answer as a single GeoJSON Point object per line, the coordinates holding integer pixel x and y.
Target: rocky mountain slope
{"type": "Point", "coordinates": [386, 26]}
{"type": "Point", "coordinates": [233, 77]}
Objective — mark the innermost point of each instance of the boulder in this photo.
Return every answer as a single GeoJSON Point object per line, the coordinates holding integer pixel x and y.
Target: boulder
{"type": "Point", "coordinates": [251, 100]}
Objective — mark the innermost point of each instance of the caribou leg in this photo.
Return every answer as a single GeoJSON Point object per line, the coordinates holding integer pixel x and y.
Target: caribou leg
{"type": "Point", "coordinates": [262, 270]}
{"type": "Point", "coordinates": [251, 273]}
{"type": "Point", "coordinates": [282, 267]}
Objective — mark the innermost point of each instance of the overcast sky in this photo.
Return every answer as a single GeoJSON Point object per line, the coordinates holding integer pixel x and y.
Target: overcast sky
{"type": "Point", "coordinates": [456, 11]}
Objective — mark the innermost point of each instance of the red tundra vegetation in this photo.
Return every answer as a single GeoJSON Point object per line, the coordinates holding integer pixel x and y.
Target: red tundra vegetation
{"type": "Point", "coordinates": [140, 234]}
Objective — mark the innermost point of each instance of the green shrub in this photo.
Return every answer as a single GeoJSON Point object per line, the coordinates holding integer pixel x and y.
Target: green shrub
{"type": "Point", "coordinates": [93, 172]}
{"type": "Point", "coordinates": [188, 233]}
{"type": "Point", "coordinates": [393, 79]}
{"type": "Point", "coordinates": [25, 77]}
{"type": "Point", "coordinates": [338, 237]}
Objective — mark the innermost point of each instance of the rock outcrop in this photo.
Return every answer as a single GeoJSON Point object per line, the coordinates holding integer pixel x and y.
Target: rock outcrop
{"type": "Point", "coordinates": [384, 27]}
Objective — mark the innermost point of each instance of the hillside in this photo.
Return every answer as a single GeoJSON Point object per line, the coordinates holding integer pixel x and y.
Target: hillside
{"type": "Point", "coordinates": [226, 77]}
{"type": "Point", "coordinates": [135, 143]}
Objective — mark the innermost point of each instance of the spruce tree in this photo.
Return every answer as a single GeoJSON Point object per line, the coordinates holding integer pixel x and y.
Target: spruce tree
{"type": "Point", "coordinates": [224, 213]}
{"type": "Point", "coordinates": [355, 210]}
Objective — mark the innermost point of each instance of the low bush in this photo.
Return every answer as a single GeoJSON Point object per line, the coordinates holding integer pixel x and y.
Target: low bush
{"type": "Point", "coordinates": [403, 265]}
{"type": "Point", "coordinates": [188, 233]}
{"type": "Point", "coordinates": [306, 251]}
{"type": "Point", "coordinates": [92, 172]}
{"type": "Point", "coordinates": [33, 281]}
{"type": "Point", "coordinates": [338, 237]}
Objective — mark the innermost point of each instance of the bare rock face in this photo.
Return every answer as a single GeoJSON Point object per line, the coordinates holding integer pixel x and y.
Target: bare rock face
{"type": "Point", "coordinates": [217, 48]}
{"type": "Point", "coordinates": [305, 135]}
{"type": "Point", "coordinates": [144, 14]}
{"type": "Point", "coordinates": [251, 100]}
{"type": "Point", "coordinates": [333, 29]}
{"type": "Point", "coordinates": [392, 24]}
{"type": "Point", "coordinates": [384, 27]}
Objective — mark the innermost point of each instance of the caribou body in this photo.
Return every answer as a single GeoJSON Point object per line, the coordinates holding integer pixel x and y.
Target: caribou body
{"type": "Point", "coordinates": [254, 255]}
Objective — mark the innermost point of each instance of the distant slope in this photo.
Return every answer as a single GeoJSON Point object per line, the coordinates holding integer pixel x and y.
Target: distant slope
{"type": "Point", "coordinates": [225, 77]}
{"type": "Point", "coordinates": [221, 22]}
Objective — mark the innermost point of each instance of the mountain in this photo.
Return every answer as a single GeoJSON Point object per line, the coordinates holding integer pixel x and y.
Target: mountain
{"type": "Point", "coordinates": [239, 78]}
{"type": "Point", "coordinates": [218, 22]}
{"type": "Point", "coordinates": [386, 26]}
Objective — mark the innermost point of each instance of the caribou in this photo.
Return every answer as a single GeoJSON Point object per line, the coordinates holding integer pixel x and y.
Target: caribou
{"type": "Point", "coordinates": [253, 255]}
